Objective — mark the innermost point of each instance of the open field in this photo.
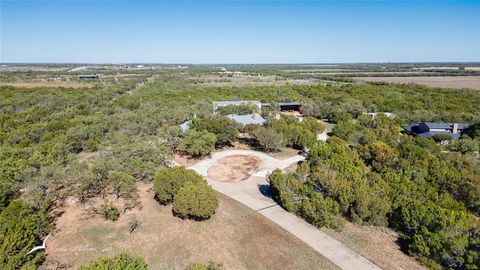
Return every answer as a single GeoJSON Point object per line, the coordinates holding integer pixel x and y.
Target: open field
{"type": "Point", "coordinates": [440, 81]}
{"type": "Point", "coordinates": [236, 236]}
{"type": "Point", "coordinates": [66, 84]}
{"type": "Point", "coordinates": [241, 79]}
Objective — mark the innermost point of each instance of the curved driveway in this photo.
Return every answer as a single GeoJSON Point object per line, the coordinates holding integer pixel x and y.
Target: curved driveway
{"type": "Point", "coordinates": [249, 193]}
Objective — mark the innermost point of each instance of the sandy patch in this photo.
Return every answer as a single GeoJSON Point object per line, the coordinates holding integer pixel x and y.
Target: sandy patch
{"type": "Point", "coordinates": [234, 168]}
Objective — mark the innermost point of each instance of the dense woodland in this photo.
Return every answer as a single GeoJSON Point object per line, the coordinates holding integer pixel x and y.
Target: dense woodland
{"type": "Point", "coordinates": [368, 172]}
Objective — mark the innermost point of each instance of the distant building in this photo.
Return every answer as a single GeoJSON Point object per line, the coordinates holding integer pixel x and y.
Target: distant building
{"type": "Point", "coordinates": [88, 76]}
{"type": "Point", "coordinates": [243, 120]}
{"type": "Point", "coordinates": [219, 104]}
{"type": "Point", "coordinates": [430, 129]}
{"type": "Point", "coordinates": [374, 114]}
{"type": "Point", "coordinates": [289, 106]}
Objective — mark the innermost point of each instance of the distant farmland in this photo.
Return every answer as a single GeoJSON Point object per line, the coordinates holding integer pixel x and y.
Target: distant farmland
{"type": "Point", "coordinates": [439, 81]}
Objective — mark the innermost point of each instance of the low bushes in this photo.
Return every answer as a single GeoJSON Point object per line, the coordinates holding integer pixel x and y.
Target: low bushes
{"type": "Point", "coordinates": [195, 200]}
{"type": "Point", "coordinates": [190, 194]}
{"type": "Point", "coordinates": [109, 211]}
{"type": "Point", "coordinates": [124, 261]}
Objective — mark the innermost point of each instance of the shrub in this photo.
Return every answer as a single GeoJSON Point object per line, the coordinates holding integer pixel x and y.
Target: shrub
{"type": "Point", "coordinates": [195, 200]}
{"type": "Point", "coordinates": [322, 211]}
{"type": "Point", "coordinates": [441, 137]}
{"type": "Point", "coordinates": [123, 261]}
{"type": "Point", "coordinates": [168, 182]}
{"type": "Point", "coordinates": [223, 128]}
{"type": "Point", "coordinates": [268, 139]}
{"type": "Point", "coordinates": [109, 211]}
{"type": "Point", "coordinates": [209, 266]}
{"type": "Point", "coordinates": [198, 143]}
{"type": "Point", "coordinates": [90, 145]}
{"type": "Point", "coordinates": [313, 125]}
{"type": "Point", "coordinates": [7, 191]}
{"type": "Point", "coordinates": [123, 184]}
{"type": "Point", "coordinates": [20, 226]}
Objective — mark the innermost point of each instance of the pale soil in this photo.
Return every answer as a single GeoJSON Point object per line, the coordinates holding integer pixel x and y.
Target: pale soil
{"type": "Point", "coordinates": [376, 244]}
{"type": "Point", "coordinates": [238, 80]}
{"type": "Point", "coordinates": [440, 81]}
{"type": "Point", "coordinates": [33, 84]}
{"type": "Point", "coordinates": [87, 156]}
{"type": "Point", "coordinates": [234, 168]}
{"type": "Point", "coordinates": [236, 236]}
{"type": "Point", "coordinates": [183, 160]}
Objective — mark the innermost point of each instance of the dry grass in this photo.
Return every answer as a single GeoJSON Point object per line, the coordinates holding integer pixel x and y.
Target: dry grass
{"type": "Point", "coordinates": [236, 236]}
{"type": "Point", "coordinates": [34, 84]}
{"type": "Point", "coordinates": [376, 244]}
{"type": "Point", "coordinates": [234, 168]}
{"type": "Point", "coordinates": [443, 81]}
{"type": "Point", "coordinates": [240, 79]}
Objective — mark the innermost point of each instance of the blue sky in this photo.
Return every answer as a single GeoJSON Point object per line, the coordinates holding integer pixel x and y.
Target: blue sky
{"type": "Point", "coordinates": [238, 31]}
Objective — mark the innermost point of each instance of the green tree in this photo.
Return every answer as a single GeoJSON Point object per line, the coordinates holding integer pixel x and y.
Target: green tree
{"type": "Point", "coordinates": [168, 182]}
{"type": "Point", "coordinates": [198, 143]}
{"type": "Point", "coordinates": [313, 125]}
{"type": "Point", "coordinates": [321, 212]}
{"type": "Point", "coordinates": [20, 229]}
{"type": "Point", "coordinates": [195, 200]}
{"type": "Point", "coordinates": [123, 184]}
{"type": "Point", "coordinates": [223, 128]}
{"type": "Point", "coordinates": [123, 261]}
{"type": "Point", "coordinates": [268, 138]}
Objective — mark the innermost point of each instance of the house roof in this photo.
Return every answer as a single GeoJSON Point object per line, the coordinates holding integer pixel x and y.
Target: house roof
{"type": "Point", "coordinates": [246, 119]}
{"type": "Point", "coordinates": [236, 103]}
{"type": "Point", "coordinates": [433, 133]}
{"type": "Point", "coordinates": [443, 125]}
{"type": "Point", "coordinates": [289, 103]}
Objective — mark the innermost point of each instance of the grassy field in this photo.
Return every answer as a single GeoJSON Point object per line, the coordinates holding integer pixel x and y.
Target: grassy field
{"type": "Point", "coordinates": [236, 236]}
{"type": "Point", "coordinates": [441, 81]}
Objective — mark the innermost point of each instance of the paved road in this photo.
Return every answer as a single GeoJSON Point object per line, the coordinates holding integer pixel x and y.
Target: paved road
{"type": "Point", "coordinates": [251, 193]}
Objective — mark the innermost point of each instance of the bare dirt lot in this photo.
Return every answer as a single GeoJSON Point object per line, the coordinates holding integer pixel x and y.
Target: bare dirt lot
{"type": "Point", "coordinates": [376, 244]}
{"type": "Point", "coordinates": [236, 236]}
{"type": "Point", "coordinates": [234, 168]}
{"type": "Point", "coordinates": [472, 82]}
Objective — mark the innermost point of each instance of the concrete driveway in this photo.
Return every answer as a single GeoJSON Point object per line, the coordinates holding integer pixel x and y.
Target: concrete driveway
{"type": "Point", "coordinates": [254, 193]}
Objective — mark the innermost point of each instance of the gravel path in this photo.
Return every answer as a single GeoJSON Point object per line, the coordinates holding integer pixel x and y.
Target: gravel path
{"type": "Point", "coordinates": [254, 193]}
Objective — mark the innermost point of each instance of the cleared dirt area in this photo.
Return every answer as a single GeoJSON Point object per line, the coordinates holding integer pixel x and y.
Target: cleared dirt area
{"type": "Point", "coordinates": [472, 82]}
{"type": "Point", "coordinates": [376, 244]}
{"type": "Point", "coordinates": [234, 168]}
{"type": "Point", "coordinates": [236, 236]}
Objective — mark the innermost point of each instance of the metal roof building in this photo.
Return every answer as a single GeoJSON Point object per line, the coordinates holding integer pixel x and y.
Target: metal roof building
{"type": "Point", "coordinates": [219, 104]}
{"type": "Point", "coordinates": [254, 118]}
{"type": "Point", "coordinates": [430, 129]}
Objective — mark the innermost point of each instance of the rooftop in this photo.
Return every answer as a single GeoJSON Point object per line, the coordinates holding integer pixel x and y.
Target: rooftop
{"type": "Point", "coordinates": [254, 118]}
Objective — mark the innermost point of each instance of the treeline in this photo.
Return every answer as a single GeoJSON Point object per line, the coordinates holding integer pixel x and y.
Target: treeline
{"type": "Point", "coordinates": [88, 142]}
{"type": "Point", "coordinates": [372, 174]}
